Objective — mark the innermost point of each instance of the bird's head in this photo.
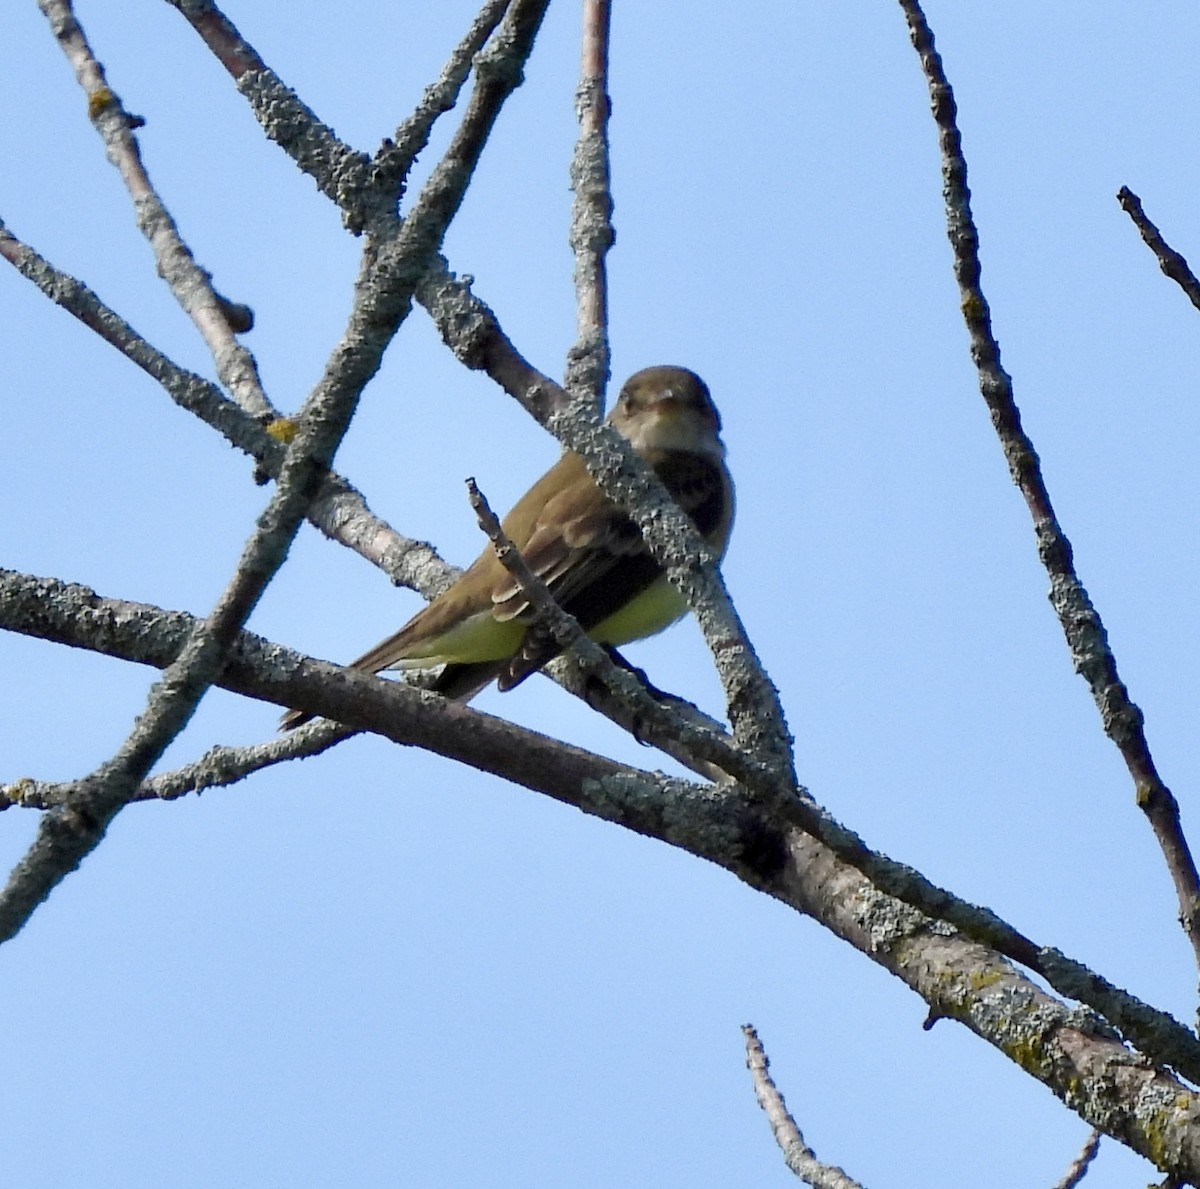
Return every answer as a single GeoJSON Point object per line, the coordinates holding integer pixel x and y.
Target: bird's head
{"type": "Point", "coordinates": [668, 408]}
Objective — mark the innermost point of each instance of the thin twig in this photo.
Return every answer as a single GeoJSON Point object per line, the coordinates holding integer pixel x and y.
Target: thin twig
{"type": "Point", "coordinates": [591, 212]}
{"type": "Point", "coordinates": [692, 740]}
{"type": "Point", "coordinates": [548, 615]}
{"type": "Point", "coordinates": [1169, 260]}
{"type": "Point", "coordinates": [1081, 623]}
{"type": "Point", "coordinates": [1081, 1163]}
{"type": "Point", "coordinates": [189, 284]}
{"type": "Point", "coordinates": [797, 1155]}
{"type": "Point", "coordinates": [396, 156]}
{"type": "Point", "coordinates": [216, 768]}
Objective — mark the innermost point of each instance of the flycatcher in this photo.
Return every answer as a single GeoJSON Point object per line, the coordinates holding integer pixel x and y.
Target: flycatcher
{"type": "Point", "coordinates": [583, 547]}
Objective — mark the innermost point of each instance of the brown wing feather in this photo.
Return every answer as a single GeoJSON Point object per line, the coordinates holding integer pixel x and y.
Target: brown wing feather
{"type": "Point", "coordinates": [579, 538]}
{"type": "Point", "coordinates": [596, 564]}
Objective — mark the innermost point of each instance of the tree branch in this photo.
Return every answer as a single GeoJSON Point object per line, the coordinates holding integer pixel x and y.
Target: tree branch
{"type": "Point", "coordinates": [1081, 1163]}
{"type": "Point", "coordinates": [395, 157]}
{"type": "Point", "coordinates": [1069, 1050]}
{"type": "Point", "coordinates": [1170, 261]}
{"type": "Point", "coordinates": [341, 173]}
{"type": "Point", "coordinates": [751, 842]}
{"type": "Point", "coordinates": [1081, 623]}
{"type": "Point", "coordinates": [338, 509]}
{"type": "Point", "coordinates": [70, 614]}
{"type": "Point", "coordinates": [189, 284]}
{"type": "Point", "coordinates": [588, 361]}
{"type": "Point", "coordinates": [798, 1156]}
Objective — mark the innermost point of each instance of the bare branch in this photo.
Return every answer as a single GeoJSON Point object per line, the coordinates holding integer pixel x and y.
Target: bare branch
{"type": "Point", "coordinates": [499, 70]}
{"type": "Point", "coordinates": [798, 1156]}
{"type": "Point", "coordinates": [219, 766]}
{"type": "Point", "coordinates": [383, 299]}
{"type": "Point", "coordinates": [341, 172]}
{"type": "Point", "coordinates": [591, 212]}
{"type": "Point", "coordinates": [74, 615]}
{"type": "Point", "coordinates": [1081, 623]}
{"type": "Point", "coordinates": [1081, 1163]}
{"type": "Point", "coordinates": [1084, 1066]}
{"type": "Point", "coordinates": [338, 509]}
{"type": "Point", "coordinates": [678, 730]}
{"type": "Point", "coordinates": [189, 284]}
{"type": "Point", "coordinates": [395, 157]}
{"type": "Point", "coordinates": [561, 625]}
{"type": "Point", "coordinates": [1170, 261]}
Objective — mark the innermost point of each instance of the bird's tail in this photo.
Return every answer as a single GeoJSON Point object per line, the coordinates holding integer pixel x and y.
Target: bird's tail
{"type": "Point", "coordinates": [458, 682]}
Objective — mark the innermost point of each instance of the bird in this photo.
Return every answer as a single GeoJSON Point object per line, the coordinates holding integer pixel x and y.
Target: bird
{"type": "Point", "coordinates": [587, 551]}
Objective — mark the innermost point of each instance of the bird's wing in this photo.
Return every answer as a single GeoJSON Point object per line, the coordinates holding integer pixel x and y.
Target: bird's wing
{"type": "Point", "coordinates": [589, 554]}
{"type": "Point", "coordinates": [593, 558]}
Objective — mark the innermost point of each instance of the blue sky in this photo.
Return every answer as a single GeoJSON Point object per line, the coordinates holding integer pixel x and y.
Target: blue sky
{"type": "Point", "coordinates": [377, 968]}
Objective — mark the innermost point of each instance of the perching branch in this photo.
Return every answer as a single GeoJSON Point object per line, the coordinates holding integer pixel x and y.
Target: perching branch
{"type": "Point", "coordinates": [66, 613]}
{"type": "Point", "coordinates": [1109, 1085]}
{"type": "Point", "coordinates": [74, 615]}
